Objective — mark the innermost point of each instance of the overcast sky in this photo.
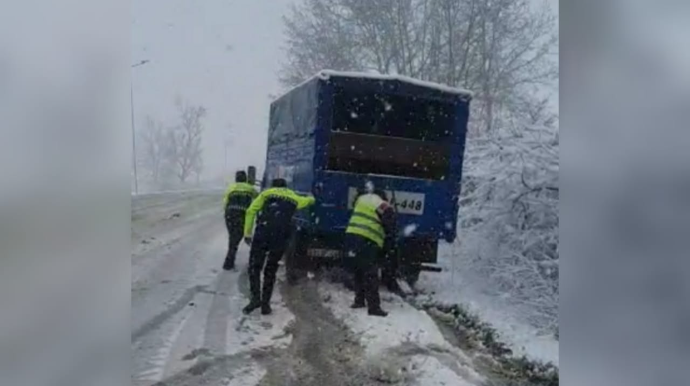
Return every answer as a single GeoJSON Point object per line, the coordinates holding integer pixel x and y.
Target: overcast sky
{"type": "Point", "coordinates": [222, 54]}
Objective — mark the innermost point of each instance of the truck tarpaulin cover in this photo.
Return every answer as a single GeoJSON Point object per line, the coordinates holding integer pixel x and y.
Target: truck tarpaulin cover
{"type": "Point", "coordinates": [294, 116]}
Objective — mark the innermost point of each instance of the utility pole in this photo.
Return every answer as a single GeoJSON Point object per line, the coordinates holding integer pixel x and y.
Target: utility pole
{"type": "Point", "coordinates": [134, 143]}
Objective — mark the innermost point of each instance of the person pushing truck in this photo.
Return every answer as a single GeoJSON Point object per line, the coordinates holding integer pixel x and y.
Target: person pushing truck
{"type": "Point", "coordinates": [371, 230]}
{"type": "Point", "coordinates": [236, 200]}
{"type": "Point", "coordinates": [275, 208]}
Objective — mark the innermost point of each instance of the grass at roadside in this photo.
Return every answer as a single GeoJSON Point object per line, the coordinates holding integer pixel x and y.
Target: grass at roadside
{"type": "Point", "coordinates": [472, 334]}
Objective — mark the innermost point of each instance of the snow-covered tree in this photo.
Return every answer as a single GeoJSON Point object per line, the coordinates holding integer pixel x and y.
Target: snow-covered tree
{"type": "Point", "coordinates": [509, 216]}
{"type": "Point", "coordinates": [500, 49]}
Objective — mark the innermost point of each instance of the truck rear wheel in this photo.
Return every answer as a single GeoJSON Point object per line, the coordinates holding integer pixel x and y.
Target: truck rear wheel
{"type": "Point", "coordinates": [413, 253]}
{"type": "Point", "coordinates": [411, 274]}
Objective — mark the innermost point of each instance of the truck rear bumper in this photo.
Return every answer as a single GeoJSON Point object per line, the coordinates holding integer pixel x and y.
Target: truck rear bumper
{"type": "Point", "coordinates": [430, 268]}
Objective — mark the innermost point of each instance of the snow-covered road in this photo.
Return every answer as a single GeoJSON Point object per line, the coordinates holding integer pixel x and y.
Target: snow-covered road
{"type": "Point", "coordinates": [185, 310]}
{"type": "Point", "coordinates": [188, 329]}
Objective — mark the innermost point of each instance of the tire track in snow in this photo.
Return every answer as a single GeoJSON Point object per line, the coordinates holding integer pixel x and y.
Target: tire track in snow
{"type": "Point", "coordinates": [169, 313]}
{"type": "Point", "coordinates": [209, 342]}
{"type": "Point", "coordinates": [179, 305]}
{"type": "Point", "coordinates": [202, 332]}
{"type": "Point", "coordinates": [154, 365]}
{"type": "Point", "coordinates": [218, 316]}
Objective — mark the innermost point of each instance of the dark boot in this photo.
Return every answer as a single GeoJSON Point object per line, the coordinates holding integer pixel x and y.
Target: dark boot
{"type": "Point", "coordinates": [228, 265]}
{"type": "Point", "coordinates": [378, 312]}
{"type": "Point", "coordinates": [359, 302]}
{"type": "Point", "coordinates": [253, 305]}
{"type": "Point", "coordinates": [266, 309]}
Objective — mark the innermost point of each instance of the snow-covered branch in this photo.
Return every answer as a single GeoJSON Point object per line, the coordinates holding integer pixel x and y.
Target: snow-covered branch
{"type": "Point", "coordinates": [509, 208]}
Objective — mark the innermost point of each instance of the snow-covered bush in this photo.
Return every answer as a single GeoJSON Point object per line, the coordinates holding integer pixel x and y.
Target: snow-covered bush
{"type": "Point", "coordinates": [509, 217]}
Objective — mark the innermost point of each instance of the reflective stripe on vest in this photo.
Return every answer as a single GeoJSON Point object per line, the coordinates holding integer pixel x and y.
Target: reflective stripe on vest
{"type": "Point", "coordinates": [242, 188]}
{"type": "Point", "coordinates": [365, 221]}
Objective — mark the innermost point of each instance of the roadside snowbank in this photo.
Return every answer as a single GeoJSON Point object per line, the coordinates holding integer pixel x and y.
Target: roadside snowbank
{"type": "Point", "coordinates": [406, 345]}
{"type": "Point", "coordinates": [457, 286]}
{"type": "Point", "coordinates": [249, 375]}
{"type": "Point", "coordinates": [433, 372]}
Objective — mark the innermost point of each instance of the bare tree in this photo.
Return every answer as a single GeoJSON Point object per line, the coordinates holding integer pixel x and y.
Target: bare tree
{"type": "Point", "coordinates": [154, 148]}
{"type": "Point", "coordinates": [501, 49]}
{"type": "Point", "coordinates": [317, 38]}
{"type": "Point", "coordinates": [197, 169]}
{"type": "Point", "coordinates": [185, 150]}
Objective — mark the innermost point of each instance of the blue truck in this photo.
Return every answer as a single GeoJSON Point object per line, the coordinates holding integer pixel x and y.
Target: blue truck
{"type": "Point", "coordinates": [336, 131]}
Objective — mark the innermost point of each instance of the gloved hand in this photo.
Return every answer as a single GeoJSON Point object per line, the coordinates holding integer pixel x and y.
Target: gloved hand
{"type": "Point", "coordinates": [248, 240]}
{"type": "Point", "coordinates": [317, 189]}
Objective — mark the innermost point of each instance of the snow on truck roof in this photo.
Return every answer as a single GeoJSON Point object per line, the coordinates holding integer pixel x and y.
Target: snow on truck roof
{"type": "Point", "coordinates": [327, 74]}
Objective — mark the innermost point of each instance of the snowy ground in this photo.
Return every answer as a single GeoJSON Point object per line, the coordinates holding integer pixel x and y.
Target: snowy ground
{"type": "Point", "coordinates": [406, 346]}
{"type": "Point", "coordinates": [188, 329]}
{"type": "Point", "coordinates": [458, 285]}
{"type": "Point", "coordinates": [184, 308]}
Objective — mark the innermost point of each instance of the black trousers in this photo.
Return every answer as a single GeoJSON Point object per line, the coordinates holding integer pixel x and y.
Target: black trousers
{"type": "Point", "coordinates": [264, 256]}
{"type": "Point", "coordinates": [234, 221]}
{"type": "Point", "coordinates": [364, 257]}
{"type": "Point", "coordinates": [389, 269]}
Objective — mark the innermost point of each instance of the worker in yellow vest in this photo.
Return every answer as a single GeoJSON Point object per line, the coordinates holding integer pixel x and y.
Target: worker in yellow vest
{"type": "Point", "coordinates": [372, 229]}
{"type": "Point", "coordinates": [237, 199]}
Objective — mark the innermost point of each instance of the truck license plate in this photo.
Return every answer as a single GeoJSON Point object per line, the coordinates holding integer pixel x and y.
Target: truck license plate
{"type": "Point", "coordinates": [405, 202]}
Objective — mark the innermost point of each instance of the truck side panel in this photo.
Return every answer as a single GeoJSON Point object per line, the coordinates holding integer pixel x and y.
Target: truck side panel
{"type": "Point", "coordinates": [290, 152]}
{"type": "Point", "coordinates": [457, 157]}
{"type": "Point", "coordinates": [323, 124]}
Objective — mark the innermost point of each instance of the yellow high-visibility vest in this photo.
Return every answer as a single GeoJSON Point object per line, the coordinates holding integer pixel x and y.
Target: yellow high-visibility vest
{"type": "Point", "coordinates": [286, 194]}
{"type": "Point", "coordinates": [365, 220]}
{"type": "Point", "coordinates": [242, 188]}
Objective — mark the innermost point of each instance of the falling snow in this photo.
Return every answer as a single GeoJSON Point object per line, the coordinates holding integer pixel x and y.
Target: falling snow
{"type": "Point", "coordinates": [409, 230]}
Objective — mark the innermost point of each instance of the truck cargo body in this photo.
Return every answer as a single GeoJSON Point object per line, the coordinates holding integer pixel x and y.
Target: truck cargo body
{"type": "Point", "coordinates": [339, 130]}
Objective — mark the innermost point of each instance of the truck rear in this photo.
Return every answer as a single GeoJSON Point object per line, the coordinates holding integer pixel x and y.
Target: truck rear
{"type": "Point", "coordinates": [337, 131]}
